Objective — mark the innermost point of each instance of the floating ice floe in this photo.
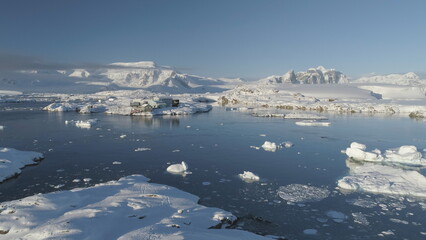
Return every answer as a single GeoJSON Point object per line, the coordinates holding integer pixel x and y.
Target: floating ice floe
{"type": "Point", "coordinates": [1, 127]}
{"type": "Point", "coordinates": [404, 155]}
{"type": "Point", "coordinates": [382, 179]}
{"type": "Point", "coordinates": [310, 231]}
{"type": "Point", "coordinates": [269, 146]}
{"type": "Point", "coordinates": [123, 136]}
{"type": "Point", "coordinates": [336, 216]}
{"type": "Point", "coordinates": [249, 177]}
{"type": "Point", "coordinates": [313, 123]}
{"type": "Point", "coordinates": [145, 210]}
{"type": "Point", "coordinates": [142, 149]}
{"type": "Point", "coordinates": [12, 160]}
{"type": "Point", "coordinates": [179, 168]}
{"type": "Point", "coordinates": [298, 193]}
{"type": "Point", "coordinates": [83, 123]}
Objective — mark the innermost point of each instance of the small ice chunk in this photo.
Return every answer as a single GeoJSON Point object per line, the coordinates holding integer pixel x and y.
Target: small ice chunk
{"type": "Point", "coordinates": [387, 233]}
{"type": "Point", "coordinates": [206, 183]}
{"type": "Point", "coordinates": [58, 186]}
{"type": "Point", "coordinates": [255, 147]}
{"type": "Point", "coordinates": [310, 231]}
{"type": "Point", "coordinates": [249, 177]}
{"type": "Point", "coordinates": [87, 180]}
{"type": "Point", "coordinates": [123, 136]}
{"type": "Point", "coordinates": [76, 180]}
{"type": "Point", "coordinates": [179, 168]}
{"type": "Point", "coordinates": [1, 127]}
{"type": "Point", "coordinates": [287, 144]}
{"type": "Point", "coordinates": [116, 163]}
{"type": "Point", "coordinates": [262, 135]}
{"type": "Point", "coordinates": [176, 150]}
{"type": "Point", "coordinates": [269, 146]}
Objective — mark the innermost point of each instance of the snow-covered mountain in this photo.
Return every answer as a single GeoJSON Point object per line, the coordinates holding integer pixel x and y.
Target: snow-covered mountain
{"type": "Point", "coordinates": [319, 75]}
{"type": "Point", "coordinates": [131, 75]}
{"type": "Point", "coordinates": [397, 79]}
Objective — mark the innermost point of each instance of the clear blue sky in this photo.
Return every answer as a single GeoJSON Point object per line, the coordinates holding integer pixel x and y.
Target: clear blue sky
{"type": "Point", "coordinates": [232, 38]}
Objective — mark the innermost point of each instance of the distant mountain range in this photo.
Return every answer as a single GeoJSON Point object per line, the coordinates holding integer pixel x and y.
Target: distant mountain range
{"type": "Point", "coordinates": [147, 75]}
{"type": "Point", "coordinates": [319, 75]}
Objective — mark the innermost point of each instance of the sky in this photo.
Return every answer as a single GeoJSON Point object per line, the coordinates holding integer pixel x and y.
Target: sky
{"type": "Point", "coordinates": [221, 38]}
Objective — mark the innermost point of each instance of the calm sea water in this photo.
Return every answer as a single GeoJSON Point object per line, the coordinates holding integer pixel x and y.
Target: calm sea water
{"type": "Point", "coordinates": [216, 145]}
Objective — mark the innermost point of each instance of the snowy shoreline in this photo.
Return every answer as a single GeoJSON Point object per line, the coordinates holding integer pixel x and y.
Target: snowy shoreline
{"type": "Point", "coordinates": [12, 161]}
{"type": "Point", "coordinates": [130, 208]}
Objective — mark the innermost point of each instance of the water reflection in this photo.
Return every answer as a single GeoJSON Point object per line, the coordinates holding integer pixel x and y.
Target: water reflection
{"type": "Point", "coordinates": [156, 121]}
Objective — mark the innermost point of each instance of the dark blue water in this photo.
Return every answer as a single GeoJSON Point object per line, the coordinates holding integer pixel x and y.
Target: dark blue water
{"type": "Point", "coordinates": [216, 146]}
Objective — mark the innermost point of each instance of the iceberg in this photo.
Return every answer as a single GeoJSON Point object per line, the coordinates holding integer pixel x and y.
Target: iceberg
{"type": "Point", "coordinates": [269, 146]}
{"type": "Point", "coordinates": [179, 168]}
{"type": "Point", "coordinates": [404, 155]}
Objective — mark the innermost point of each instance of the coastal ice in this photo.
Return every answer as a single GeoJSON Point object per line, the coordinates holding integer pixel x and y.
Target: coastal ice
{"type": "Point", "coordinates": [269, 146]}
{"type": "Point", "coordinates": [12, 160]}
{"type": "Point", "coordinates": [249, 177]}
{"type": "Point", "coordinates": [179, 168]}
{"type": "Point", "coordinates": [404, 155]}
{"type": "Point", "coordinates": [298, 193]}
{"type": "Point", "coordinates": [313, 123]}
{"type": "Point", "coordinates": [143, 211]}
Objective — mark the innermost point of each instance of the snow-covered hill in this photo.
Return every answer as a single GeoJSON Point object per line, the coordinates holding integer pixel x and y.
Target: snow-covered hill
{"type": "Point", "coordinates": [149, 76]}
{"type": "Point", "coordinates": [319, 75]}
{"type": "Point", "coordinates": [397, 79]}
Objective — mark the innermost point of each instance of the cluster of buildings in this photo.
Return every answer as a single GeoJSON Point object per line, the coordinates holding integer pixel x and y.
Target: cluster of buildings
{"type": "Point", "coordinates": [147, 105]}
